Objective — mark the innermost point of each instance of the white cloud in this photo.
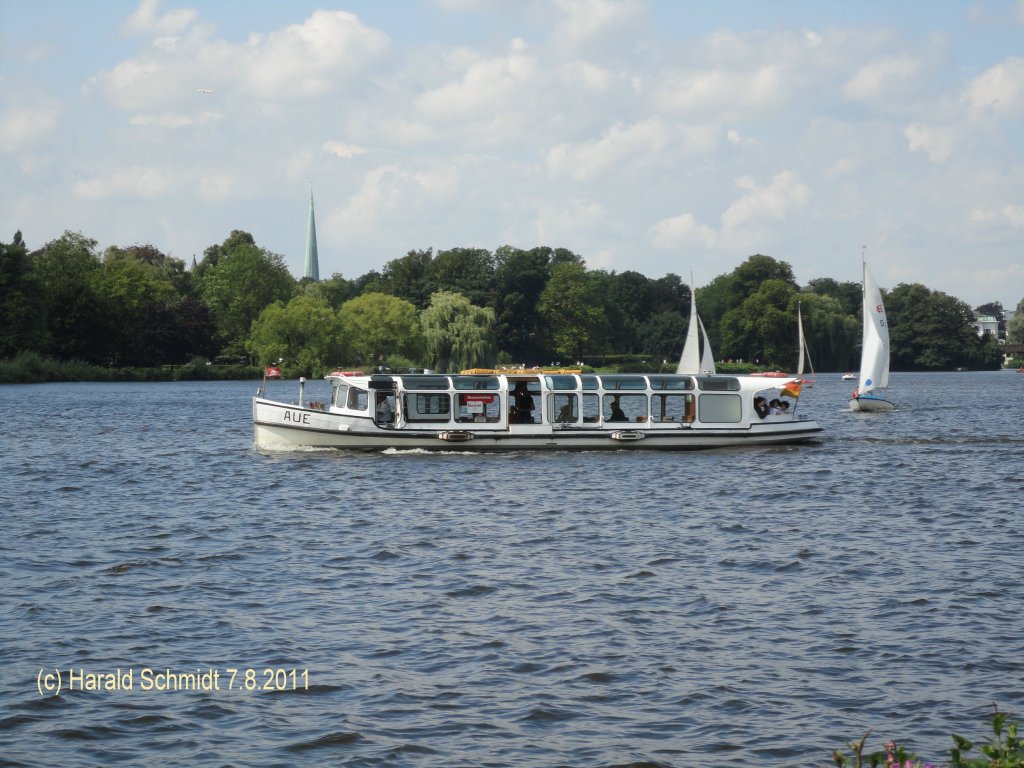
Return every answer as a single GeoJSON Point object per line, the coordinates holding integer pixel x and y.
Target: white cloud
{"type": "Point", "coordinates": [595, 21]}
{"type": "Point", "coordinates": [719, 90]}
{"type": "Point", "coordinates": [884, 78]}
{"type": "Point", "coordinates": [772, 201]}
{"type": "Point", "coordinates": [312, 59]}
{"type": "Point", "coordinates": [1011, 216]}
{"type": "Point", "coordinates": [673, 233]}
{"type": "Point", "coordinates": [131, 182]}
{"type": "Point", "coordinates": [25, 125]}
{"type": "Point", "coordinates": [343, 150]}
{"type": "Point", "coordinates": [619, 143]}
{"type": "Point", "coordinates": [486, 87]}
{"type": "Point", "coordinates": [937, 143]}
{"type": "Point", "coordinates": [999, 90]}
{"type": "Point", "coordinates": [176, 120]}
{"type": "Point", "coordinates": [144, 21]}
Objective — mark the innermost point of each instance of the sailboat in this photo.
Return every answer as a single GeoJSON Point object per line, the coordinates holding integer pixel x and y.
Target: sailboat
{"type": "Point", "coordinates": [874, 359]}
{"type": "Point", "coordinates": [805, 352]}
{"type": "Point", "coordinates": [693, 359]}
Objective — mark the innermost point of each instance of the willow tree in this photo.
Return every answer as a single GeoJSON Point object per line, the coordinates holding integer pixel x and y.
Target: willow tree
{"type": "Point", "coordinates": [378, 326]}
{"type": "Point", "coordinates": [458, 334]}
{"type": "Point", "coordinates": [305, 332]}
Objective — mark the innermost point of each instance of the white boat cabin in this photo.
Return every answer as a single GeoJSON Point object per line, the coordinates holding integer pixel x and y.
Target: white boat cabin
{"type": "Point", "coordinates": [522, 401]}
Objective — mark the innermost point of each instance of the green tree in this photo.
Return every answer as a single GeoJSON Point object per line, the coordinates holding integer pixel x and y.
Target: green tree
{"type": "Point", "coordinates": [76, 321]}
{"type": "Point", "coordinates": [833, 335]}
{"type": "Point", "coordinates": [378, 325]}
{"type": "Point", "coordinates": [22, 318]}
{"type": "Point", "coordinates": [410, 277]}
{"type": "Point", "coordinates": [1015, 328]}
{"type": "Point", "coordinates": [237, 280]}
{"type": "Point", "coordinates": [763, 327]}
{"type": "Point", "coordinates": [575, 319]}
{"type": "Point", "coordinates": [458, 335]}
{"type": "Point", "coordinates": [335, 290]}
{"type": "Point", "coordinates": [306, 333]}
{"type": "Point", "coordinates": [469, 271]}
{"type": "Point", "coordinates": [929, 330]}
{"type": "Point", "coordinates": [132, 294]}
{"type": "Point", "coordinates": [520, 277]}
{"type": "Point", "coordinates": [661, 336]}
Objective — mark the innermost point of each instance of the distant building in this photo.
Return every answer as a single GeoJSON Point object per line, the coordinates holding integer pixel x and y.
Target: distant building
{"type": "Point", "coordinates": [988, 323]}
{"type": "Point", "coordinates": [312, 261]}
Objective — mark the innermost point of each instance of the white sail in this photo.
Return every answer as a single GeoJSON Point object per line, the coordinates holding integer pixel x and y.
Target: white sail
{"type": "Point", "coordinates": [874, 359]}
{"type": "Point", "coordinates": [805, 352]}
{"type": "Point", "coordinates": [707, 360]}
{"type": "Point", "coordinates": [689, 362]}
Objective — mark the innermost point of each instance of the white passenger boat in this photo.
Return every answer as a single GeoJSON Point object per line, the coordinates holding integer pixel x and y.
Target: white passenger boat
{"type": "Point", "coordinates": [485, 410]}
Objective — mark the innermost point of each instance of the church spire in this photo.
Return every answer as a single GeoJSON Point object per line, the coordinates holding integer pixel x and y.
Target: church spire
{"type": "Point", "coordinates": [312, 263]}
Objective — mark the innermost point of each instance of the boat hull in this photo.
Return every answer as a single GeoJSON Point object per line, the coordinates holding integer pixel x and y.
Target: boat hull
{"type": "Point", "coordinates": [868, 404]}
{"type": "Point", "coordinates": [280, 426]}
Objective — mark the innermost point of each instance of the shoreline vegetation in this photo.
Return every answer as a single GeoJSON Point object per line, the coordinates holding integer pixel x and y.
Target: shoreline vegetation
{"type": "Point", "coordinates": [1002, 750]}
{"type": "Point", "coordinates": [135, 313]}
{"type": "Point", "coordinates": [32, 368]}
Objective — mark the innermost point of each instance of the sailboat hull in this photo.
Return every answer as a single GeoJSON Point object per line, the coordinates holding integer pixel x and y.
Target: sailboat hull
{"type": "Point", "coordinates": [869, 404]}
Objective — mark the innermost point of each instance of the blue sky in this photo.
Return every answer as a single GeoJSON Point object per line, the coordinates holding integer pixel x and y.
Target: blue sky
{"type": "Point", "coordinates": [653, 136]}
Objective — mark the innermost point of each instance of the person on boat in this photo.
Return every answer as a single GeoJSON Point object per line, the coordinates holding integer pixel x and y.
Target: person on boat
{"type": "Point", "coordinates": [761, 407]}
{"type": "Point", "coordinates": [522, 403]}
{"type": "Point", "coordinates": [784, 406]}
{"type": "Point", "coordinates": [385, 413]}
{"type": "Point", "coordinates": [617, 413]}
{"type": "Point", "coordinates": [774, 408]}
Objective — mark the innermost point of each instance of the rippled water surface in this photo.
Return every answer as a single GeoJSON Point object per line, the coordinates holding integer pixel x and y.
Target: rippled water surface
{"type": "Point", "coordinates": [745, 607]}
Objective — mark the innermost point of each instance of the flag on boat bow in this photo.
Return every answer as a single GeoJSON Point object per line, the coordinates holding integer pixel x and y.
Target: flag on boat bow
{"type": "Point", "coordinates": [792, 389]}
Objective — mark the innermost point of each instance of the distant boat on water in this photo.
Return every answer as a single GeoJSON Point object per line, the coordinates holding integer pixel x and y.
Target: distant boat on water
{"type": "Point", "coordinates": [696, 359]}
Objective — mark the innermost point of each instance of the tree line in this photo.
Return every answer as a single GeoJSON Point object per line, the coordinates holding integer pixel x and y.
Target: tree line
{"type": "Point", "coordinates": [454, 309]}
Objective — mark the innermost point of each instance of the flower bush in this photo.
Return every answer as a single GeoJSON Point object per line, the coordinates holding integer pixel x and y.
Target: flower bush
{"type": "Point", "coordinates": [1003, 750]}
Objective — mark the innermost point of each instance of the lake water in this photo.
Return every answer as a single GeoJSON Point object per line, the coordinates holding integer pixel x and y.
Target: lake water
{"type": "Point", "coordinates": [757, 606]}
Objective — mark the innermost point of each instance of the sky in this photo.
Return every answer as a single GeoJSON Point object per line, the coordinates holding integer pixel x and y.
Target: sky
{"type": "Point", "coordinates": [661, 136]}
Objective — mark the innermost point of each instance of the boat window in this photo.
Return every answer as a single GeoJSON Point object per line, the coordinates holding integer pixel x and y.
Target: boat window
{"type": "Point", "coordinates": [561, 382]}
{"type": "Point", "coordinates": [625, 408]}
{"type": "Point", "coordinates": [425, 382]}
{"type": "Point", "coordinates": [620, 381]}
{"type": "Point", "coordinates": [341, 395]}
{"type": "Point", "coordinates": [589, 382]}
{"type": "Point", "coordinates": [475, 382]}
{"type": "Point", "coordinates": [677, 408]}
{"type": "Point", "coordinates": [720, 409]}
{"type": "Point", "coordinates": [563, 408]}
{"type": "Point", "coordinates": [357, 399]}
{"type": "Point", "coordinates": [671, 382]}
{"type": "Point", "coordinates": [718, 384]}
{"type": "Point", "coordinates": [591, 408]}
{"type": "Point", "coordinates": [479, 407]}
{"type": "Point", "coordinates": [423, 407]}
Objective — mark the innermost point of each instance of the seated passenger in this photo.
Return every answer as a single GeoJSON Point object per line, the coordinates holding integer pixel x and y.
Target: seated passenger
{"type": "Point", "coordinates": [774, 408]}
{"type": "Point", "coordinates": [617, 413]}
{"type": "Point", "coordinates": [761, 407]}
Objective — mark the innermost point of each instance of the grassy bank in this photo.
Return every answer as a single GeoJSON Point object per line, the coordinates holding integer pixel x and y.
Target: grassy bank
{"type": "Point", "coordinates": [30, 368]}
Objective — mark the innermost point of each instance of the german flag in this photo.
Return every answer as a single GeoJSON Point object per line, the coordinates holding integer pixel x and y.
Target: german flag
{"type": "Point", "coordinates": [792, 389]}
